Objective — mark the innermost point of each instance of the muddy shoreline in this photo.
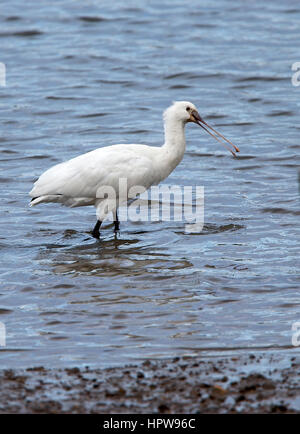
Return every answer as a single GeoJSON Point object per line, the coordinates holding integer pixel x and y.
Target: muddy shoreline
{"type": "Point", "coordinates": [247, 384]}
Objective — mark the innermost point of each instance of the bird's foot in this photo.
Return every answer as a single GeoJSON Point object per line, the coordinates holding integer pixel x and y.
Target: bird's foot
{"type": "Point", "coordinates": [96, 234]}
{"type": "Point", "coordinates": [95, 231]}
{"type": "Point", "coordinates": [117, 226]}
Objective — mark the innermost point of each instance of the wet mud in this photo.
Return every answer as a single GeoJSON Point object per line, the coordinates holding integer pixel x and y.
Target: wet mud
{"type": "Point", "coordinates": [246, 384]}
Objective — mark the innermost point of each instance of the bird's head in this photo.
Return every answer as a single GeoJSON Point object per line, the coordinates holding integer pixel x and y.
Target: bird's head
{"type": "Point", "coordinates": [182, 111]}
{"type": "Point", "coordinates": [185, 111]}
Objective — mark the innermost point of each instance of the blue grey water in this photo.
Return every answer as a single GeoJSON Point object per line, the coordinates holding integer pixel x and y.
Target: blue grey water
{"type": "Point", "coordinates": [81, 75]}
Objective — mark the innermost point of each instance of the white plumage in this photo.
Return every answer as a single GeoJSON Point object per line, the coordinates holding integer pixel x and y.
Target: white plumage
{"type": "Point", "coordinates": [80, 181]}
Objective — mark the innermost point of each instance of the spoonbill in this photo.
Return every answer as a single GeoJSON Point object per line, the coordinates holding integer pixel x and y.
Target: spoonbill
{"type": "Point", "coordinates": [79, 181]}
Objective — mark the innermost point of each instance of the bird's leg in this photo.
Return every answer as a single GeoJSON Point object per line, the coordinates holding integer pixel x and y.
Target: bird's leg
{"type": "Point", "coordinates": [116, 222]}
{"type": "Point", "coordinates": [95, 232]}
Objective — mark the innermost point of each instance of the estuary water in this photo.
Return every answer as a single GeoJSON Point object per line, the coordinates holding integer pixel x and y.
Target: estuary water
{"type": "Point", "coordinates": [81, 75]}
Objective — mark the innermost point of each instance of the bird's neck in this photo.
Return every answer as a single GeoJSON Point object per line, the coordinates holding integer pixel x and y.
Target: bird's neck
{"type": "Point", "coordinates": [174, 145]}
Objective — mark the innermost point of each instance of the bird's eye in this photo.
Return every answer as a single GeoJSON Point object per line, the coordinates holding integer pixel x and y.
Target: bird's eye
{"type": "Point", "coordinates": [188, 109]}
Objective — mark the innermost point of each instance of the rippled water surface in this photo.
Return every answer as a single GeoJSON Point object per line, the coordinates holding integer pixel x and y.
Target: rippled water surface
{"type": "Point", "coordinates": [81, 75]}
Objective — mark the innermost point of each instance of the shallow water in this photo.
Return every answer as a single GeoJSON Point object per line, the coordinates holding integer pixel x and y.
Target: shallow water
{"type": "Point", "coordinates": [80, 76]}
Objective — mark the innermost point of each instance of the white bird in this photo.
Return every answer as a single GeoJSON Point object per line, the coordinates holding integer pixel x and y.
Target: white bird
{"type": "Point", "coordinates": [80, 181]}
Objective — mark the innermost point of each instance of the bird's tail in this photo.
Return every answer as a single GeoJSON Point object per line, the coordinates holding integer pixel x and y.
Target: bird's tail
{"type": "Point", "coordinates": [35, 201]}
{"type": "Point", "coordinates": [46, 198]}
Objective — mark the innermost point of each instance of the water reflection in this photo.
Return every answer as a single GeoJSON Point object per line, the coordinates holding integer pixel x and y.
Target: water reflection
{"type": "Point", "coordinates": [121, 255]}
